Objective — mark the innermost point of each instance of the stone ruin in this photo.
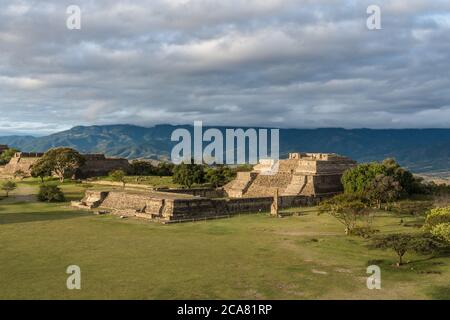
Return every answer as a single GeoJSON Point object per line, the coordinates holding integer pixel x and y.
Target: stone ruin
{"type": "Point", "coordinates": [167, 207]}
{"type": "Point", "coordinates": [303, 179]}
{"type": "Point", "coordinates": [98, 165]}
{"type": "Point", "coordinates": [22, 161]}
{"type": "Point", "coordinates": [304, 174]}
{"type": "Point", "coordinates": [95, 165]}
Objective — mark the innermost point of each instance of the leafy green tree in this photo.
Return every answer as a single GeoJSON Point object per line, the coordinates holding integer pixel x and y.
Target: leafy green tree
{"type": "Point", "coordinates": [118, 176]}
{"type": "Point", "coordinates": [219, 175]}
{"type": "Point", "coordinates": [188, 174]}
{"type": "Point", "coordinates": [6, 155]}
{"type": "Point", "coordinates": [442, 232]}
{"type": "Point", "coordinates": [366, 177]}
{"type": "Point", "coordinates": [50, 193]}
{"type": "Point", "coordinates": [165, 169]}
{"type": "Point", "coordinates": [8, 186]}
{"type": "Point", "coordinates": [63, 161]}
{"type": "Point", "coordinates": [41, 169]}
{"type": "Point", "coordinates": [383, 189]}
{"type": "Point", "coordinates": [405, 178]}
{"type": "Point", "coordinates": [143, 168]}
{"type": "Point", "coordinates": [435, 217]}
{"type": "Point", "coordinates": [348, 209]}
{"type": "Point", "coordinates": [401, 243]}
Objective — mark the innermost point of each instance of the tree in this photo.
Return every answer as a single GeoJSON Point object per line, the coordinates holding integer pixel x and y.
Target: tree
{"type": "Point", "coordinates": [357, 179]}
{"type": "Point", "coordinates": [347, 209]}
{"type": "Point", "coordinates": [437, 223]}
{"type": "Point", "coordinates": [369, 176]}
{"type": "Point", "coordinates": [118, 176]}
{"type": "Point", "coordinates": [165, 169]}
{"type": "Point", "coordinates": [188, 174]}
{"type": "Point", "coordinates": [219, 175]}
{"type": "Point", "coordinates": [6, 155]}
{"type": "Point", "coordinates": [41, 169]}
{"type": "Point", "coordinates": [383, 189]}
{"type": "Point", "coordinates": [442, 232]}
{"type": "Point", "coordinates": [8, 186]}
{"type": "Point", "coordinates": [401, 243]}
{"type": "Point", "coordinates": [435, 217]}
{"type": "Point", "coordinates": [143, 168]}
{"type": "Point", "coordinates": [63, 161]}
{"type": "Point", "coordinates": [50, 193]}
{"type": "Point", "coordinates": [19, 174]}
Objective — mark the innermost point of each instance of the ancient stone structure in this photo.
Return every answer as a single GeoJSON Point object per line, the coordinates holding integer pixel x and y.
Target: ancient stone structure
{"type": "Point", "coordinates": [95, 165]}
{"type": "Point", "coordinates": [303, 179]}
{"type": "Point", "coordinates": [98, 165]}
{"type": "Point", "coordinates": [170, 207]}
{"type": "Point", "coordinates": [304, 174]}
{"type": "Point", "coordinates": [274, 207]}
{"type": "Point", "coordinates": [22, 161]}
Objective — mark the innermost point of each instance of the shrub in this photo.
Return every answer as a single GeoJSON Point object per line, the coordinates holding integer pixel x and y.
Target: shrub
{"type": "Point", "coordinates": [118, 176]}
{"type": "Point", "coordinates": [437, 216]}
{"type": "Point", "coordinates": [348, 209]}
{"type": "Point", "coordinates": [365, 232]}
{"type": "Point", "coordinates": [188, 174]}
{"type": "Point", "coordinates": [442, 232]}
{"type": "Point", "coordinates": [8, 186]}
{"type": "Point", "coordinates": [219, 175]}
{"type": "Point", "coordinates": [401, 243]}
{"type": "Point", "coordinates": [50, 193]}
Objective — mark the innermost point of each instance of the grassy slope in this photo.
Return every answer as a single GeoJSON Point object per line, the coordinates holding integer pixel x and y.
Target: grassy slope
{"type": "Point", "coordinates": [246, 257]}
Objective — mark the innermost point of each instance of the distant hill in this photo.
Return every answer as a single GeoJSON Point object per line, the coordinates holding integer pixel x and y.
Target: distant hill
{"type": "Point", "coordinates": [421, 150]}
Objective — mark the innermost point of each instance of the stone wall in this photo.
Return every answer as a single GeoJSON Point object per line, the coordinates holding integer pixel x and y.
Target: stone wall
{"type": "Point", "coordinates": [197, 192]}
{"type": "Point", "coordinates": [160, 207]}
{"type": "Point", "coordinates": [95, 165]}
{"type": "Point", "coordinates": [22, 161]}
{"type": "Point", "coordinates": [98, 165]}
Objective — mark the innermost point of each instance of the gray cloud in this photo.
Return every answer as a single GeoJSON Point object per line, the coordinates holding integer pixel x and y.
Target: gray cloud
{"type": "Point", "coordinates": [286, 63]}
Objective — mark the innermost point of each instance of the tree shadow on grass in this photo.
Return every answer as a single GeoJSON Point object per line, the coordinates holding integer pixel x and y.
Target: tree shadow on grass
{"type": "Point", "coordinates": [14, 217]}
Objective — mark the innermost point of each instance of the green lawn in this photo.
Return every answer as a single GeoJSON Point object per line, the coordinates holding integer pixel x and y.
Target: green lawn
{"type": "Point", "coordinates": [245, 257]}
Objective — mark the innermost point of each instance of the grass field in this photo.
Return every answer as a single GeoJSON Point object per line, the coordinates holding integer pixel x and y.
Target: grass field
{"type": "Point", "coordinates": [245, 257]}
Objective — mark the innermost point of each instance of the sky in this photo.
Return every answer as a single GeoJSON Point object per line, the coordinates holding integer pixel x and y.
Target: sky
{"type": "Point", "coordinates": [274, 63]}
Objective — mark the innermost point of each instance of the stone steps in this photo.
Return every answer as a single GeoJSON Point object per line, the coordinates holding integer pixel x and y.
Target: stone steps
{"type": "Point", "coordinates": [298, 183]}
{"type": "Point", "coordinates": [238, 187]}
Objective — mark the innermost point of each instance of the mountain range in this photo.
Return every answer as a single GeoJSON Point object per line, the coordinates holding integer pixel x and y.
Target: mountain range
{"type": "Point", "coordinates": [420, 150]}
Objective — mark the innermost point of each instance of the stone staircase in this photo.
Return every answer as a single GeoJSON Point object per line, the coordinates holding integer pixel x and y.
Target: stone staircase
{"type": "Point", "coordinates": [296, 186]}
{"type": "Point", "coordinates": [239, 186]}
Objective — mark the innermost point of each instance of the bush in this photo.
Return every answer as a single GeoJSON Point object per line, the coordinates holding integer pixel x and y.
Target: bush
{"type": "Point", "coordinates": [348, 209]}
{"type": "Point", "coordinates": [365, 232]}
{"type": "Point", "coordinates": [50, 193]}
{"type": "Point", "coordinates": [8, 186]}
{"type": "Point", "coordinates": [437, 216]}
{"type": "Point", "coordinates": [118, 176]}
{"type": "Point", "coordinates": [442, 232]}
{"type": "Point", "coordinates": [189, 174]}
{"type": "Point", "coordinates": [401, 243]}
{"type": "Point", "coordinates": [391, 178]}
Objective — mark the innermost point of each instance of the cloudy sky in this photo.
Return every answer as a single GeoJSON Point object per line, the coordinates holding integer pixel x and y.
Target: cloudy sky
{"type": "Point", "coordinates": [276, 63]}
